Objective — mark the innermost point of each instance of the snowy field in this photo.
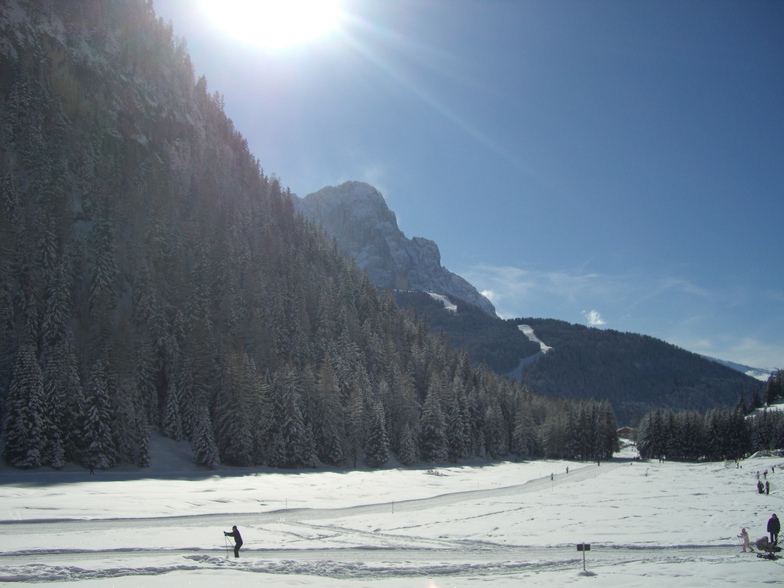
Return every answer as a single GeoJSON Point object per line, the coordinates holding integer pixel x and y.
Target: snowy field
{"type": "Point", "coordinates": [503, 525]}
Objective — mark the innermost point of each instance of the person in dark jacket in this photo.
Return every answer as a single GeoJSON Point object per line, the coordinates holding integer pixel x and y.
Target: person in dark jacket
{"type": "Point", "coordinates": [774, 526]}
{"type": "Point", "coordinates": [235, 532]}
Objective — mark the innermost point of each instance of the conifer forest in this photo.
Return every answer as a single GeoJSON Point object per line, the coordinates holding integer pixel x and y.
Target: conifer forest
{"type": "Point", "coordinates": [153, 276]}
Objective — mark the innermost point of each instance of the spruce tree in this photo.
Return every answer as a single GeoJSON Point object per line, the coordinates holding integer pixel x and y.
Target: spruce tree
{"type": "Point", "coordinates": [354, 418]}
{"type": "Point", "coordinates": [329, 441]}
{"type": "Point", "coordinates": [290, 446]}
{"type": "Point", "coordinates": [494, 432]}
{"type": "Point", "coordinates": [205, 449]}
{"type": "Point", "coordinates": [23, 430]}
{"type": "Point", "coordinates": [377, 444]}
{"type": "Point", "coordinates": [523, 433]}
{"type": "Point", "coordinates": [100, 451]}
{"type": "Point", "coordinates": [232, 425]}
{"type": "Point", "coordinates": [407, 454]}
{"type": "Point", "coordinates": [432, 436]}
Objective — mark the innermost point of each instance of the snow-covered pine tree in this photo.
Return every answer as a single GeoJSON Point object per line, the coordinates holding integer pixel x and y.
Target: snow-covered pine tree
{"type": "Point", "coordinates": [523, 433]}
{"type": "Point", "coordinates": [232, 418]}
{"type": "Point", "coordinates": [100, 451]}
{"type": "Point", "coordinates": [494, 432]}
{"type": "Point", "coordinates": [607, 430]}
{"type": "Point", "coordinates": [103, 264]}
{"type": "Point", "coordinates": [144, 456]}
{"type": "Point", "coordinates": [407, 454]}
{"type": "Point", "coordinates": [457, 425]}
{"type": "Point", "coordinates": [72, 421]}
{"type": "Point", "coordinates": [554, 435]}
{"type": "Point", "coordinates": [172, 421]}
{"type": "Point", "coordinates": [432, 436]}
{"type": "Point", "coordinates": [651, 442]}
{"type": "Point", "coordinates": [54, 413]}
{"type": "Point", "coordinates": [354, 419]}
{"type": "Point", "coordinates": [23, 430]}
{"type": "Point", "coordinates": [329, 439]}
{"type": "Point", "coordinates": [289, 438]}
{"type": "Point", "coordinates": [377, 444]}
{"type": "Point", "coordinates": [205, 449]}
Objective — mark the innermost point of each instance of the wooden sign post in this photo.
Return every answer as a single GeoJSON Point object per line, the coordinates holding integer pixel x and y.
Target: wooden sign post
{"type": "Point", "coordinates": [584, 547]}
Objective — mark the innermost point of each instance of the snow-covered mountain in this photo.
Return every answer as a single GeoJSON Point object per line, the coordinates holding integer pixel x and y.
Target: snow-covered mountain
{"type": "Point", "coordinates": [357, 217]}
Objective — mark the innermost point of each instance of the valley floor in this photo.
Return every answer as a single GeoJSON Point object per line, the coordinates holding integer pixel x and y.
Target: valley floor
{"type": "Point", "coordinates": [461, 526]}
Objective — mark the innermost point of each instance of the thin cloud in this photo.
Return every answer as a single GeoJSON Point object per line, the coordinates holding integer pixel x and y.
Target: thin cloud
{"type": "Point", "coordinates": [594, 318]}
{"type": "Point", "coordinates": [669, 307]}
{"type": "Point", "coordinates": [519, 291]}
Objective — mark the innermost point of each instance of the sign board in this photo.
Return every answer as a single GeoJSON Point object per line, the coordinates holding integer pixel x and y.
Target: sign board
{"type": "Point", "coordinates": [583, 547]}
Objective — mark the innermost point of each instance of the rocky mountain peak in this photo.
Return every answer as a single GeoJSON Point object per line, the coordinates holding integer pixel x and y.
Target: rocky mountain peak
{"type": "Point", "coordinates": [356, 215]}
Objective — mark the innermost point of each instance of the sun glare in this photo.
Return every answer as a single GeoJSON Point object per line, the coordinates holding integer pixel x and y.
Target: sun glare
{"type": "Point", "coordinates": [275, 24]}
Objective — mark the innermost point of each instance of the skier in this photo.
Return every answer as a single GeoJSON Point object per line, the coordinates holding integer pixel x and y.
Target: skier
{"type": "Point", "coordinates": [760, 487]}
{"type": "Point", "coordinates": [235, 532]}
{"type": "Point", "coordinates": [744, 536]}
{"type": "Point", "coordinates": [774, 526]}
{"type": "Point", "coordinates": [767, 487]}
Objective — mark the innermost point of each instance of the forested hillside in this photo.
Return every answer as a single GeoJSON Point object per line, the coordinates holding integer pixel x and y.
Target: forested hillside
{"type": "Point", "coordinates": [636, 373]}
{"type": "Point", "coordinates": [488, 340]}
{"type": "Point", "coordinates": [152, 275]}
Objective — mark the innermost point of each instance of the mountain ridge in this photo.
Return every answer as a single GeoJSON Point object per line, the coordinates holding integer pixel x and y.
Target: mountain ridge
{"type": "Point", "coordinates": [356, 215]}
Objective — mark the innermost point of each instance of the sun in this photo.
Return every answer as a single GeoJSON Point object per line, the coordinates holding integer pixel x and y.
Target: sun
{"type": "Point", "coordinates": [275, 24]}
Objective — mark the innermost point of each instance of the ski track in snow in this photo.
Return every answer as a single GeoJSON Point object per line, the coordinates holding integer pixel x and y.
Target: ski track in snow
{"type": "Point", "coordinates": [457, 560]}
{"type": "Point", "coordinates": [349, 554]}
{"type": "Point", "coordinates": [362, 554]}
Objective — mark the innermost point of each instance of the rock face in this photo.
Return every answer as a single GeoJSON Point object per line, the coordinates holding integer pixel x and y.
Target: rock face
{"type": "Point", "coordinates": [357, 217]}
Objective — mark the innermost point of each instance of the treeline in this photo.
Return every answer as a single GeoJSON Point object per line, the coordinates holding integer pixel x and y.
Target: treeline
{"type": "Point", "coordinates": [152, 276]}
{"type": "Point", "coordinates": [717, 434]}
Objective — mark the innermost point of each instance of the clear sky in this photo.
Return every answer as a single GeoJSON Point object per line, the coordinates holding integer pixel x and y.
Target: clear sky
{"type": "Point", "coordinates": [610, 163]}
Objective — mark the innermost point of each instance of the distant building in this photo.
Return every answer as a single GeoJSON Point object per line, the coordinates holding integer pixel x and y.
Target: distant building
{"type": "Point", "coordinates": [626, 433]}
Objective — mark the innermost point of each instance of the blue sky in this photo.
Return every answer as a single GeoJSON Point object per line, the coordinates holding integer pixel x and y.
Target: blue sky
{"type": "Point", "coordinates": [611, 163]}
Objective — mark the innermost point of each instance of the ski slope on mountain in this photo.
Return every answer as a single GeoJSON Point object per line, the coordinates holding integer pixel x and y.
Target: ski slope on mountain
{"type": "Point", "coordinates": [529, 332]}
{"type": "Point", "coordinates": [455, 526]}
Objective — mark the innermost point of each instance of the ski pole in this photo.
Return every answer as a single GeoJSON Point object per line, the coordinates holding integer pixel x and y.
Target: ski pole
{"type": "Point", "coordinates": [226, 543]}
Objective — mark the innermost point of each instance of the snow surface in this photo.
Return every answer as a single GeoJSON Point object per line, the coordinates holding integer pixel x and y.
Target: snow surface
{"type": "Point", "coordinates": [501, 525]}
{"type": "Point", "coordinates": [528, 331]}
{"type": "Point", "coordinates": [443, 300]}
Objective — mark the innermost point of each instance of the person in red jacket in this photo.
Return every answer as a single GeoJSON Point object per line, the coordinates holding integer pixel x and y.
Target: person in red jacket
{"type": "Point", "coordinates": [235, 532]}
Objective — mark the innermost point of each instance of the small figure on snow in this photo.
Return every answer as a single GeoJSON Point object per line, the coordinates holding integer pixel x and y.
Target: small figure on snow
{"type": "Point", "coordinates": [774, 526]}
{"type": "Point", "coordinates": [760, 487]}
{"type": "Point", "coordinates": [767, 487]}
{"type": "Point", "coordinates": [235, 532]}
{"type": "Point", "coordinates": [744, 537]}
